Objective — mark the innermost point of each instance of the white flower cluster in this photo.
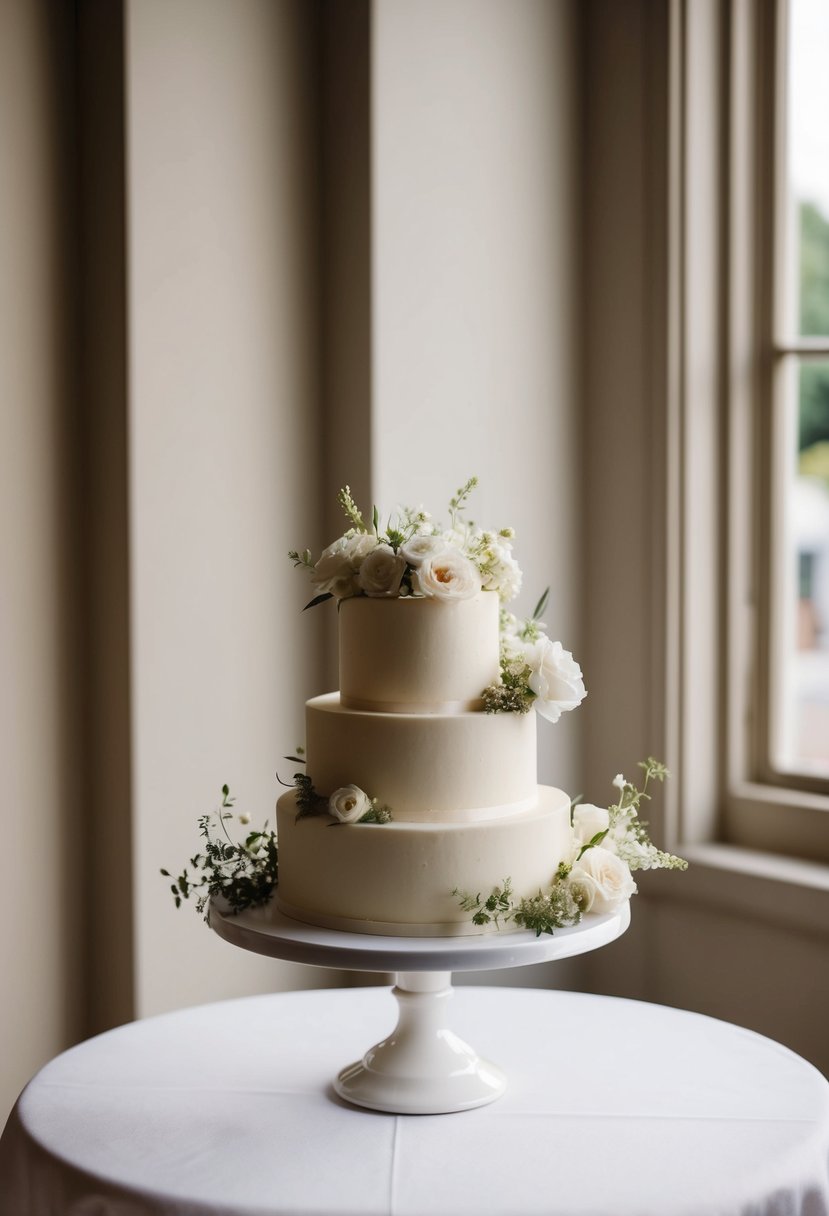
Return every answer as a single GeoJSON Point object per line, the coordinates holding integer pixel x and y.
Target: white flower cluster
{"type": "Point", "coordinates": [600, 872]}
{"type": "Point", "coordinates": [414, 557]}
{"type": "Point", "coordinates": [360, 563]}
{"type": "Point", "coordinates": [555, 677]}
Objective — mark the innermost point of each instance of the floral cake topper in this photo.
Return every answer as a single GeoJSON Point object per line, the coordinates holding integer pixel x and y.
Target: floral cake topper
{"type": "Point", "coordinates": [414, 556]}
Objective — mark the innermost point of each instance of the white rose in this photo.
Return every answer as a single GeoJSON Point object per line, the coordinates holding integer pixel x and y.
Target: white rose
{"type": "Point", "coordinates": [349, 803]}
{"type": "Point", "coordinates": [337, 566]}
{"type": "Point", "coordinates": [381, 572]}
{"type": "Point", "coordinates": [608, 875]}
{"type": "Point", "coordinates": [556, 678]}
{"type": "Point", "coordinates": [449, 576]}
{"type": "Point", "coordinates": [588, 821]}
{"type": "Point", "coordinates": [419, 548]}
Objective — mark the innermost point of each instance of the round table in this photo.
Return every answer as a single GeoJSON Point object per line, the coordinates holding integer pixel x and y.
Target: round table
{"type": "Point", "coordinates": [613, 1107]}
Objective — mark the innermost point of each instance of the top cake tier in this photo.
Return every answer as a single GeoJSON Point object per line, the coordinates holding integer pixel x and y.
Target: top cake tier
{"type": "Point", "coordinates": [417, 654]}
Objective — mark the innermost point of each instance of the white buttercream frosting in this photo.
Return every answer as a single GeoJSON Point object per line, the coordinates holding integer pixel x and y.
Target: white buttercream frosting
{"type": "Point", "coordinates": [417, 651]}
{"type": "Point", "coordinates": [438, 767]}
{"type": "Point", "coordinates": [399, 877]}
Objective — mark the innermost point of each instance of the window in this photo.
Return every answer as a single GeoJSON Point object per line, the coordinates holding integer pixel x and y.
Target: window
{"type": "Point", "coordinates": [748, 380]}
{"type": "Point", "coordinates": [799, 567]}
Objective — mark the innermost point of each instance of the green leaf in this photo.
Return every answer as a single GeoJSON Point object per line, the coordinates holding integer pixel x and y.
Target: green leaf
{"type": "Point", "coordinates": [294, 760]}
{"type": "Point", "coordinates": [591, 844]}
{"type": "Point", "coordinates": [225, 790]}
{"type": "Point", "coordinates": [376, 521]}
{"type": "Point", "coordinates": [318, 599]}
{"type": "Point", "coordinates": [541, 605]}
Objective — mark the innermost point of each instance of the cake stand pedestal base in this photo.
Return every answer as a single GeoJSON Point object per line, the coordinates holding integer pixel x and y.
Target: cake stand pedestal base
{"type": "Point", "coordinates": [422, 1068]}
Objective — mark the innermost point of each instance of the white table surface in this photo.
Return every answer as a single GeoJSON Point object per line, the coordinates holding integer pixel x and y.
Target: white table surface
{"type": "Point", "coordinates": [613, 1107]}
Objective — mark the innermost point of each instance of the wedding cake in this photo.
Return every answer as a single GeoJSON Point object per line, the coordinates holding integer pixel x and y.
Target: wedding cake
{"type": "Point", "coordinates": [417, 810]}
{"type": "Point", "coordinates": [423, 786]}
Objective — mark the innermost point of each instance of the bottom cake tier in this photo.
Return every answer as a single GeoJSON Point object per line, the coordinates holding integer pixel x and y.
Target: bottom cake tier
{"type": "Point", "coordinates": [398, 878]}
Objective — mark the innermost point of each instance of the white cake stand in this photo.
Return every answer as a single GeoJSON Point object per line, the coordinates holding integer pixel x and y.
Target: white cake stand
{"type": "Point", "coordinates": [422, 1068]}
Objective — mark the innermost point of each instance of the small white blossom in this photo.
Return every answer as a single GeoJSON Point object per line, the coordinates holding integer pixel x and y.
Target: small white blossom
{"type": "Point", "coordinates": [349, 803]}
{"type": "Point", "coordinates": [619, 781]}
{"type": "Point", "coordinates": [244, 817]}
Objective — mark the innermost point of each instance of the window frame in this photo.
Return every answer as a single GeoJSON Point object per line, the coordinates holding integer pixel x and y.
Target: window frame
{"type": "Point", "coordinates": [725, 207]}
{"type": "Point", "coordinates": [788, 352]}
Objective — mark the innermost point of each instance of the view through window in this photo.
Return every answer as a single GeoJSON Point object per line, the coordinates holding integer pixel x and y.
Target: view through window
{"type": "Point", "coordinates": [800, 739]}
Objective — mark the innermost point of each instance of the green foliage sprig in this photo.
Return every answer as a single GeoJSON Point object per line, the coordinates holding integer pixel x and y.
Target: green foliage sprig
{"type": "Point", "coordinates": [513, 694]}
{"type": "Point", "coordinates": [243, 875]}
{"type": "Point", "coordinates": [308, 801]}
{"type": "Point", "coordinates": [379, 813]}
{"type": "Point", "coordinates": [559, 908]}
{"type": "Point", "coordinates": [497, 908]}
{"type": "Point", "coordinates": [457, 504]}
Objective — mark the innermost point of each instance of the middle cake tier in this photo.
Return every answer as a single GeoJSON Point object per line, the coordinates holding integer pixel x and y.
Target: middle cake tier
{"type": "Point", "coordinates": [449, 768]}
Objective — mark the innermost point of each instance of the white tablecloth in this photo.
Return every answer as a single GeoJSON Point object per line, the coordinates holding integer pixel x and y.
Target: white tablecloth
{"type": "Point", "coordinates": [613, 1107]}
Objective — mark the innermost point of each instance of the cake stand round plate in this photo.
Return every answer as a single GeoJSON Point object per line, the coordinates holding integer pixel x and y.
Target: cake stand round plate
{"type": "Point", "coordinates": [422, 1067]}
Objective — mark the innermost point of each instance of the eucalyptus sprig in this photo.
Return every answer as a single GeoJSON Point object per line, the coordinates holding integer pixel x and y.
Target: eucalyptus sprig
{"type": "Point", "coordinates": [243, 875]}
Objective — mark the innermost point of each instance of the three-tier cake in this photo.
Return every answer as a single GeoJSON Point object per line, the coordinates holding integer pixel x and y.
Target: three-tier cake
{"type": "Point", "coordinates": [408, 728]}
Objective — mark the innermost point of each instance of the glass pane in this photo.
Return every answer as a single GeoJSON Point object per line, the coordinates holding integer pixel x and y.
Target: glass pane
{"type": "Point", "coordinates": [808, 143]}
{"type": "Point", "coordinates": [803, 719]}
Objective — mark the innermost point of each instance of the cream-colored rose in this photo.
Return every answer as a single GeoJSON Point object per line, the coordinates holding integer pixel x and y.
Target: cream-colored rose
{"type": "Point", "coordinates": [336, 569]}
{"type": "Point", "coordinates": [419, 548]}
{"type": "Point", "coordinates": [381, 572]}
{"type": "Point", "coordinates": [608, 874]}
{"type": "Point", "coordinates": [588, 821]}
{"type": "Point", "coordinates": [556, 678]}
{"type": "Point", "coordinates": [349, 803]}
{"type": "Point", "coordinates": [448, 576]}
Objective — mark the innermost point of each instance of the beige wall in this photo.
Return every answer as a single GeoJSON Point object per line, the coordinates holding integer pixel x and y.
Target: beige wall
{"type": "Point", "coordinates": [41, 963]}
{"type": "Point", "coordinates": [224, 443]}
{"type": "Point", "coordinates": [475, 284]}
